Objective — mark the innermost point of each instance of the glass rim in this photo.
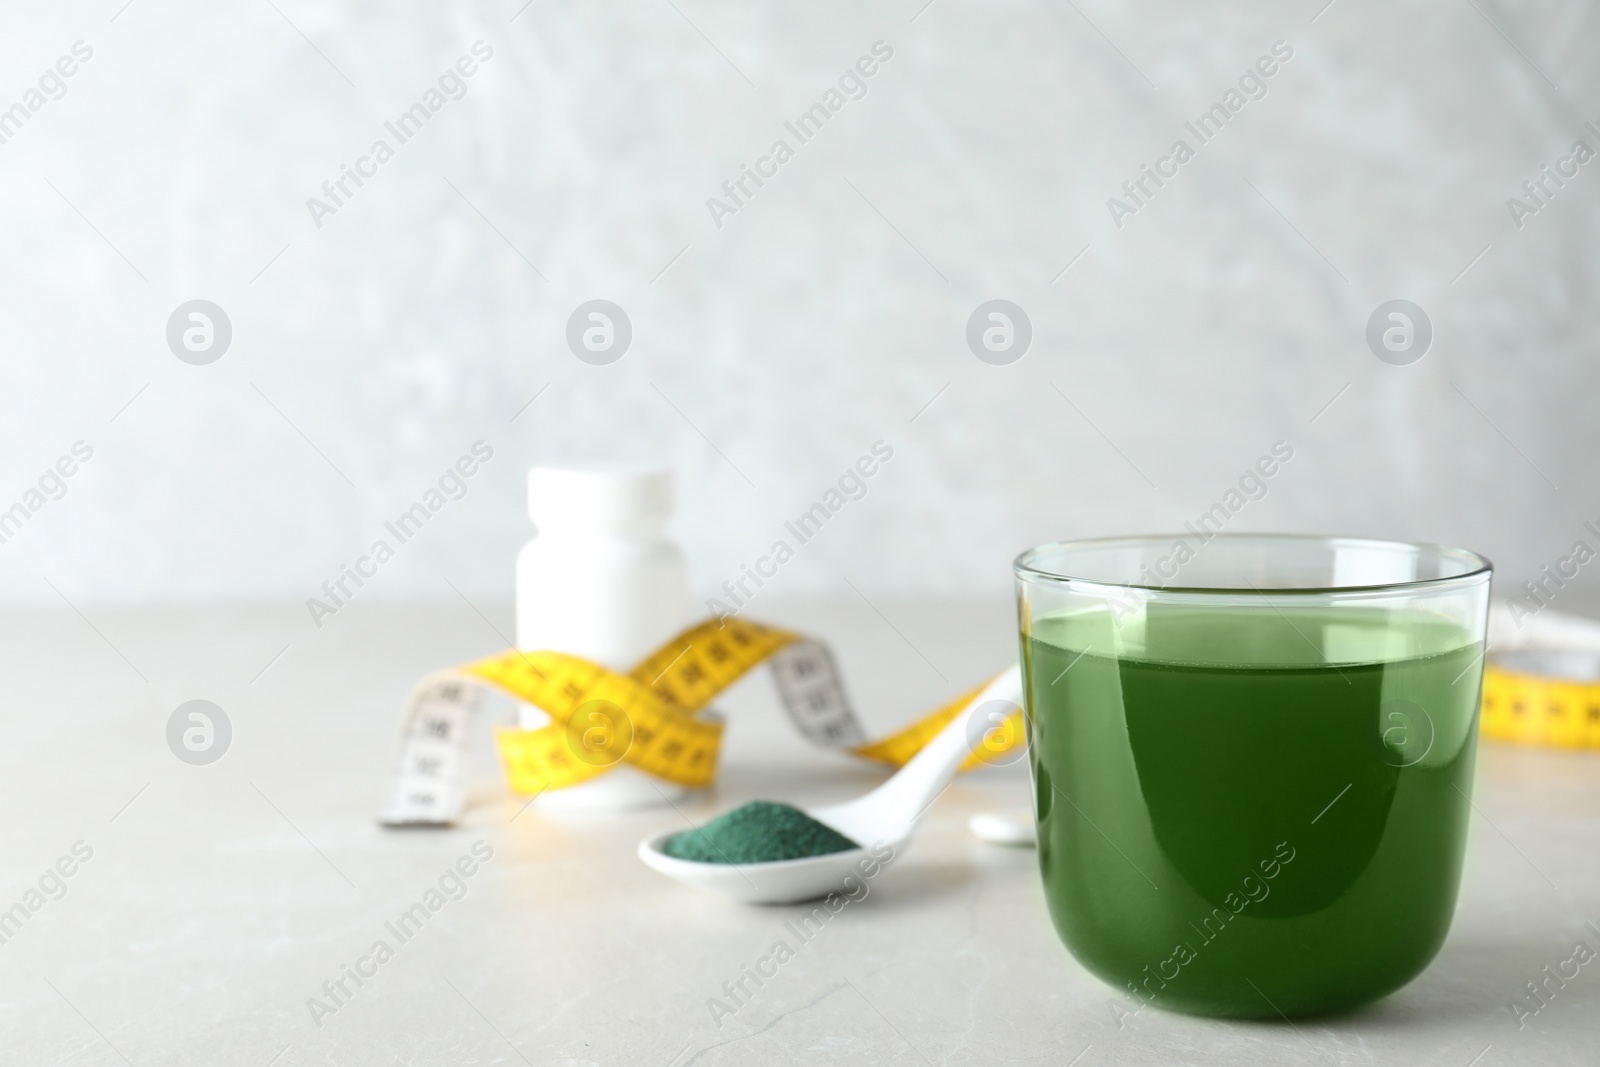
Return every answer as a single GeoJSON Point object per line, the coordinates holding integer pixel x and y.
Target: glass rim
{"type": "Point", "coordinates": [1025, 566]}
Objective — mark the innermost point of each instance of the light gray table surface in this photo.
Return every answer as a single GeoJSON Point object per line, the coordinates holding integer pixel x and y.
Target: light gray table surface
{"type": "Point", "coordinates": [219, 899]}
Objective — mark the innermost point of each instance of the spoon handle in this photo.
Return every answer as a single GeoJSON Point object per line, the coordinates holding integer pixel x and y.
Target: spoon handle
{"type": "Point", "coordinates": [914, 788]}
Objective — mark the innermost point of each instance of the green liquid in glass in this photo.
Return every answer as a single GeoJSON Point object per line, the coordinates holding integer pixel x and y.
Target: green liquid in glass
{"type": "Point", "coordinates": [1247, 811]}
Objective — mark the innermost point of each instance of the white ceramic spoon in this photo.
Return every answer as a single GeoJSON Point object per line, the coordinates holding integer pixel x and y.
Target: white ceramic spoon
{"type": "Point", "coordinates": [885, 816]}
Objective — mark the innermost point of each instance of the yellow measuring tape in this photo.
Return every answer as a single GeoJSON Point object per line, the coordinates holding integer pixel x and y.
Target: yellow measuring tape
{"type": "Point", "coordinates": [1542, 697]}
{"type": "Point", "coordinates": [655, 717]}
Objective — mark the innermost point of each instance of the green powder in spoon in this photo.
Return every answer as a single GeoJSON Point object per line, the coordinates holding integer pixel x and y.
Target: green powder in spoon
{"type": "Point", "coordinates": [759, 832]}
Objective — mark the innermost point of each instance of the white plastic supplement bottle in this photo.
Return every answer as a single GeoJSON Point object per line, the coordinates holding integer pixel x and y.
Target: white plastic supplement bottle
{"type": "Point", "coordinates": [601, 580]}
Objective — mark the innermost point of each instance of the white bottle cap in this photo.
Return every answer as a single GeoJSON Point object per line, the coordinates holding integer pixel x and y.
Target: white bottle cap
{"type": "Point", "coordinates": [602, 493]}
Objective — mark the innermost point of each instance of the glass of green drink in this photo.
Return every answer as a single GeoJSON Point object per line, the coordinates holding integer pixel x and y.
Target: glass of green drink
{"type": "Point", "coordinates": [1251, 761]}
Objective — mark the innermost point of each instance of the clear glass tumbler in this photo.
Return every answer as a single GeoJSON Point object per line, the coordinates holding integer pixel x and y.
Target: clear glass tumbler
{"type": "Point", "coordinates": [1252, 756]}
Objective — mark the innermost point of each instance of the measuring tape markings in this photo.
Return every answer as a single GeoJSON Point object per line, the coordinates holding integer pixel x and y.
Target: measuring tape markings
{"type": "Point", "coordinates": [1537, 697]}
{"type": "Point", "coordinates": [655, 717]}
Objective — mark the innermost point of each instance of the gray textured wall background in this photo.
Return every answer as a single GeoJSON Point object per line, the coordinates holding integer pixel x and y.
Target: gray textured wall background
{"type": "Point", "coordinates": [823, 316]}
